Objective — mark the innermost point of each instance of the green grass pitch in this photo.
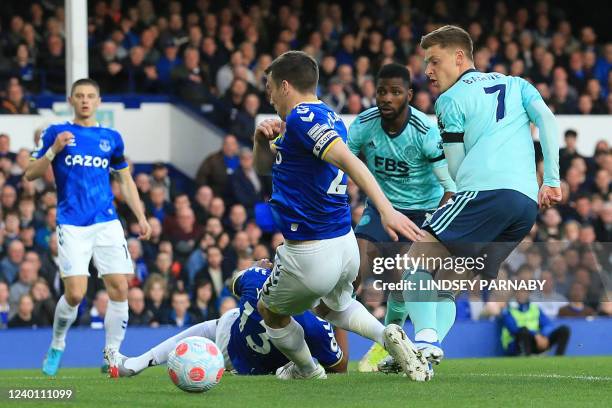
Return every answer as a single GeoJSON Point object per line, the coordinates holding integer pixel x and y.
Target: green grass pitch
{"type": "Point", "coordinates": [518, 382]}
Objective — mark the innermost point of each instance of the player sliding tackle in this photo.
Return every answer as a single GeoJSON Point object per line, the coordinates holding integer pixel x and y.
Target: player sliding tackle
{"type": "Point", "coordinates": [484, 120]}
{"type": "Point", "coordinates": [242, 339]}
{"type": "Point", "coordinates": [319, 261]}
{"type": "Point", "coordinates": [82, 153]}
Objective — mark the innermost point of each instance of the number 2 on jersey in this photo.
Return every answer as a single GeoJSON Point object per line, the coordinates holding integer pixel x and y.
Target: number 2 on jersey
{"type": "Point", "coordinates": [501, 99]}
{"type": "Point", "coordinates": [335, 187]}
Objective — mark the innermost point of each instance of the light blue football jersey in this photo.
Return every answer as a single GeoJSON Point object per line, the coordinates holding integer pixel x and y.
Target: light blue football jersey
{"type": "Point", "coordinates": [82, 172]}
{"type": "Point", "coordinates": [309, 199]}
{"type": "Point", "coordinates": [487, 112]}
{"type": "Point", "coordinates": [401, 163]}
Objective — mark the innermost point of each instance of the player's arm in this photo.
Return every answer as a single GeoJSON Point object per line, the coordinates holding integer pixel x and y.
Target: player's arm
{"type": "Point", "coordinates": [355, 137]}
{"type": "Point", "coordinates": [132, 198]}
{"type": "Point", "coordinates": [450, 123]}
{"type": "Point", "coordinates": [338, 154]}
{"type": "Point", "coordinates": [341, 366]}
{"type": "Point", "coordinates": [264, 152]}
{"type": "Point", "coordinates": [541, 115]}
{"type": "Point", "coordinates": [433, 149]}
{"type": "Point", "coordinates": [51, 145]}
{"type": "Point", "coordinates": [128, 187]}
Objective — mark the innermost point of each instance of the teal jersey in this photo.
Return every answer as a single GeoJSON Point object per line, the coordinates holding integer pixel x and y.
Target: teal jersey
{"type": "Point", "coordinates": [487, 113]}
{"type": "Point", "coordinates": [401, 163]}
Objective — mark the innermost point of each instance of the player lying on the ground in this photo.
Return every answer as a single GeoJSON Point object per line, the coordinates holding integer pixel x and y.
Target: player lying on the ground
{"type": "Point", "coordinates": [484, 121]}
{"type": "Point", "coordinates": [242, 338]}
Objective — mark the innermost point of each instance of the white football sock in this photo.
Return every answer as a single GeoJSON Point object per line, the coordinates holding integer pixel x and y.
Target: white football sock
{"type": "Point", "coordinates": [357, 319]}
{"type": "Point", "coordinates": [65, 315]}
{"type": "Point", "coordinates": [159, 354]}
{"type": "Point", "coordinates": [290, 341]}
{"type": "Point", "coordinates": [115, 323]}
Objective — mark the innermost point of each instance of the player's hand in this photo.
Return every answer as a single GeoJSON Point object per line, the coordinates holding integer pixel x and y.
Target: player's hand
{"type": "Point", "coordinates": [549, 196]}
{"type": "Point", "coordinates": [542, 342]}
{"type": "Point", "coordinates": [145, 229]}
{"type": "Point", "coordinates": [396, 223]}
{"type": "Point", "coordinates": [269, 129]}
{"type": "Point", "coordinates": [61, 141]}
{"type": "Point", "coordinates": [447, 196]}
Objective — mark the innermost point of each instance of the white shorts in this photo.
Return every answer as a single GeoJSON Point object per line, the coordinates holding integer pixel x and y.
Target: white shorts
{"type": "Point", "coordinates": [223, 333]}
{"type": "Point", "coordinates": [305, 274]}
{"type": "Point", "coordinates": [104, 241]}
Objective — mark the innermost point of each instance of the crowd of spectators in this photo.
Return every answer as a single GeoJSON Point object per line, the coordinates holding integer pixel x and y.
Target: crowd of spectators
{"type": "Point", "coordinates": [216, 56]}
{"type": "Point", "coordinates": [213, 54]}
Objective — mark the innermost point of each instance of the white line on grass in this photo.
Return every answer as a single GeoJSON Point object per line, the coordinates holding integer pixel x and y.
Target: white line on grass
{"type": "Point", "coordinates": [548, 376]}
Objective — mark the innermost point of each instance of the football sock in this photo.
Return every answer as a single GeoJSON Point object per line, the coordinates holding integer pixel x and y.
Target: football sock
{"type": "Point", "coordinates": [421, 305]}
{"type": "Point", "coordinates": [357, 319]}
{"type": "Point", "coordinates": [159, 353]}
{"type": "Point", "coordinates": [445, 313]}
{"type": "Point", "coordinates": [290, 341]}
{"type": "Point", "coordinates": [396, 310]}
{"type": "Point", "coordinates": [115, 323]}
{"type": "Point", "coordinates": [65, 315]}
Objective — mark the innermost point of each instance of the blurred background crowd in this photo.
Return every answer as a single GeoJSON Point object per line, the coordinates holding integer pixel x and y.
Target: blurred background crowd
{"type": "Point", "coordinates": [211, 56]}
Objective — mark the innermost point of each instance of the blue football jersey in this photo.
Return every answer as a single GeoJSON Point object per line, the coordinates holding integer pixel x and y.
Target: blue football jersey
{"type": "Point", "coordinates": [487, 112]}
{"type": "Point", "coordinates": [81, 172]}
{"type": "Point", "coordinates": [309, 199]}
{"type": "Point", "coordinates": [250, 349]}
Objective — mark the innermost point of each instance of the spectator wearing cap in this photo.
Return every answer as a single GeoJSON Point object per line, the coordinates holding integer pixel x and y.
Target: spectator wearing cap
{"type": "Point", "coordinates": [216, 168]}
{"type": "Point", "coordinates": [160, 177]}
{"type": "Point", "coordinates": [336, 97]}
{"type": "Point", "coordinates": [167, 63]}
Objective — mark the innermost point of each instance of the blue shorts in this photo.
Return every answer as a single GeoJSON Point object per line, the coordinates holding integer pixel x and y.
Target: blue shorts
{"type": "Point", "coordinates": [475, 223]}
{"type": "Point", "coordinates": [370, 227]}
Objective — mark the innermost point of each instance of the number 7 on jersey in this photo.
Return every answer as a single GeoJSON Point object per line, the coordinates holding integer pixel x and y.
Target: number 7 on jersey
{"type": "Point", "coordinates": [501, 99]}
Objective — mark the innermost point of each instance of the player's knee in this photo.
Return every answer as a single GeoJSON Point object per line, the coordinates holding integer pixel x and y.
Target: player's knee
{"type": "Point", "coordinates": [74, 298]}
{"type": "Point", "coordinates": [117, 289]}
{"type": "Point", "coordinates": [263, 310]}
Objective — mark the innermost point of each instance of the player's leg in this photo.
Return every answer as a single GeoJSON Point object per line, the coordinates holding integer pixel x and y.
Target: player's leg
{"type": "Point", "coordinates": [285, 294]}
{"type": "Point", "coordinates": [159, 354]}
{"type": "Point", "coordinates": [65, 315]}
{"type": "Point", "coordinates": [339, 308]}
{"type": "Point", "coordinates": [114, 266]}
{"type": "Point", "coordinates": [560, 337]}
{"type": "Point", "coordinates": [74, 254]}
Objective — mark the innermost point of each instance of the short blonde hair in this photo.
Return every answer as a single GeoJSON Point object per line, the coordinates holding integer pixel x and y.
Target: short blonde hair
{"type": "Point", "coordinates": [448, 36]}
